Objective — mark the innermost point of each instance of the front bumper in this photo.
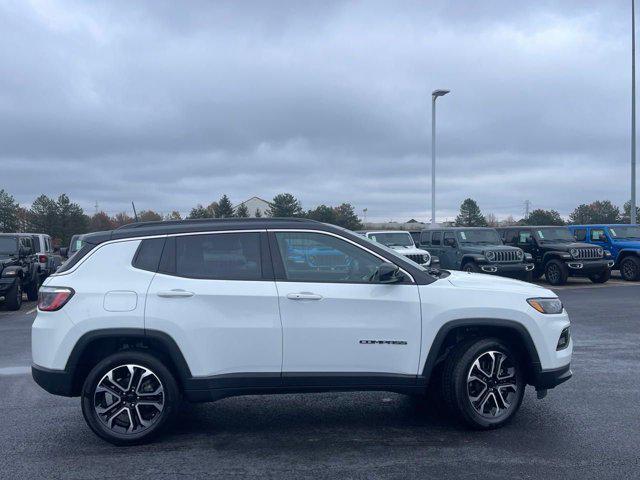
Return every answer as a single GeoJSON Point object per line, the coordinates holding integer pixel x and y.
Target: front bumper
{"type": "Point", "coordinates": [587, 267]}
{"type": "Point", "coordinates": [57, 382]}
{"type": "Point", "coordinates": [506, 268]}
{"type": "Point", "coordinates": [546, 379]}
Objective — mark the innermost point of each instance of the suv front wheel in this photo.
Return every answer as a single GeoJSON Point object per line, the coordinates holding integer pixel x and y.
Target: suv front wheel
{"type": "Point", "coordinates": [630, 269]}
{"type": "Point", "coordinates": [556, 272]}
{"type": "Point", "coordinates": [483, 382]}
{"type": "Point", "coordinates": [129, 397]}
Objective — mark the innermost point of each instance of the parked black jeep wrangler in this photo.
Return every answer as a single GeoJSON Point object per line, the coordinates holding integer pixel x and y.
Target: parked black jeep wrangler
{"type": "Point", "coordinates": [558, 256]}
{"type": "Point", "coordinates": [476, 249]}
{"type": "Point", "coordinates": [19, 269]}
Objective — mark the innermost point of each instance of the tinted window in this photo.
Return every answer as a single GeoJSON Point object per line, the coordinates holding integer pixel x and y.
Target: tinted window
{"type": "Point", "coordinates": [436, 238]}
{"type": "Point", "coordinates": [449, 235]}
{"type": "Point", "coordinates": [8, 245]}
{"type": "Point", "coordinates": [580, 234]}
{"type": "Point", "coordinates": [511, 236]}
{"type": "Point", "coordinates": [523, 236]}
{"type": "Point", "coordinates": [425, 238]}
{"type": "Point", "coordinates": [223, 256]}
{"type": "Point", "coordinates": [316, 257]}
{"type": "Point", "coordinates": [36, 244]}
{"type": "Point", "coordinates": [597, 235]}
{"type": "Point", "coordinates": [148, 255]}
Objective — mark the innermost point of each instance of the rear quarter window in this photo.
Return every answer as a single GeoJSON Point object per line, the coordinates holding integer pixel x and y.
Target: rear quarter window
{"type": "Point", "coordinates": [148, 254]}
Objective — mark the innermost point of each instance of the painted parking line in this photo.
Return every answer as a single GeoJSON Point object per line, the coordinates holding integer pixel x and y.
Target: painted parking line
{"type": "Point", "coordinates": [31, 311]}
{"type": "Point", "coordinates": [15, 370]}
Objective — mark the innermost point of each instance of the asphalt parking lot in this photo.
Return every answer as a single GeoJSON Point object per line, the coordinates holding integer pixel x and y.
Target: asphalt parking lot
{"type": "Point", "coordinates": [586, 428]}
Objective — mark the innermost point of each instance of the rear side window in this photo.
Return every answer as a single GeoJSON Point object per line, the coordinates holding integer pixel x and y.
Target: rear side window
{"type": "Point", "coordinates": [580, 234]}
{"type": "Point", "coordinates": [36, 244]}
{"type": "Point", "coordinates": [219, 256]}
{"type": "Point", "coordinates": [148, 255]}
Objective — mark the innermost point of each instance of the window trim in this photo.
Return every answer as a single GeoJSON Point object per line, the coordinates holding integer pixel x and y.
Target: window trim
{"type": "Point", "coordinates": [278, 264]}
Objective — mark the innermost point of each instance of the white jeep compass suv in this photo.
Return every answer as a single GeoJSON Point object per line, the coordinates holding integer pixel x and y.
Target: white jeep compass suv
{"type": "Point", "coordinates": [148, 314]}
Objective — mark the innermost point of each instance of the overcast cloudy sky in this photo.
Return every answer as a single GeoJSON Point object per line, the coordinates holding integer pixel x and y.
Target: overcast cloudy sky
{"type": "Point", "coordinates": [172, 104]}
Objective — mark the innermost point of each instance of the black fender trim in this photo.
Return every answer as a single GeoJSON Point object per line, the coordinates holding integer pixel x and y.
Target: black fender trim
{"type": "Point", "coordinates": [519, 329]}
{"type": "Point", "coordinates": [554, 255]}
{"type": "Point", "coordinates": [474, 257]}
{"type": "Point", "coordinates": [13, 268]}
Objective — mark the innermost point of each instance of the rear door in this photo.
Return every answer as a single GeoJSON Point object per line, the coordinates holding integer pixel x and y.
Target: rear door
{"type": "Point", "coordinates": [215, 295]}
{"type": "Point", "coordinates": [338, 325]}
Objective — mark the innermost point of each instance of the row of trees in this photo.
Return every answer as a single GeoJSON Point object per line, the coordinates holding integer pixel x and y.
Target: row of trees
{"type": "Point", "coordinates": [600, 211]}
{"type": "Point", "coordinates": [62, 218]}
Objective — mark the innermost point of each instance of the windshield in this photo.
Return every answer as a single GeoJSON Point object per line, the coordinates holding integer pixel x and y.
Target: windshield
{"type": "Point", "coordinates": [393, 239]}
{"type": "Point", "coordinates": [631, 232]}
{"type": "Point", "coordinates": [8, 246]}
{"type": "Point", "coordinates": [485, 236]}
{"type": "Point", "coordinates": [554, 234]}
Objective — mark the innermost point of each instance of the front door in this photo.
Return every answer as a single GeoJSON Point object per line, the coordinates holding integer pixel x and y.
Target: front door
{"type": "Point", "coordinates": [338, 324]}
{"type": "Point", "coordinates": [215, 295]}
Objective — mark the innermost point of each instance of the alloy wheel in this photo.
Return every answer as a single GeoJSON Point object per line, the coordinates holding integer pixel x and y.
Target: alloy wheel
{"type": "Point", "coordinates": [553, 272]}
{"type": "Point", "coordinates": [491, 384]}
{"type": "Point", "coordinates": [629, 269]}
{"type": "Point", "coordinates": [129, 399]}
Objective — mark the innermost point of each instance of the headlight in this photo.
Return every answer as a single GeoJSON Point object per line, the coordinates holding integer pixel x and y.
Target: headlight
{"type": "Point", "coordinates": [607, 253]}
{"type": "Point", "coordinates": [425, 258]}
{"type": "Point", "coordinates": [10, 273]}
{"type": "Point", "coordinates": [574, 252]}
{"type": "Point", "coordinates": [546, 305]}
{"type": "Point", "coordinates": [600, 251]}
{"type": "Point", "coordinates": [528, 257]}
{"type": "Point", "coordinates": [520, 254]}
{"type": "Point", "coordinates": [491, 256]}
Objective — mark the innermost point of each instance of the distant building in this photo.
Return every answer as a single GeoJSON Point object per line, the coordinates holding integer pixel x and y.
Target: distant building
{"type": "Point", "coordinates": [254, 204]}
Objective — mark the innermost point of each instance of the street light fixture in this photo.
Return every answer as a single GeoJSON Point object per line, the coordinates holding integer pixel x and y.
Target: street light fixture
{"type": "Point", "coordinates": [435, 94]}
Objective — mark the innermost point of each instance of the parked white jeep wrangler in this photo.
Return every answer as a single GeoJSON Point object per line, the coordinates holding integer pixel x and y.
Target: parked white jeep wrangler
{"type": "Point", "coordinates": [151, 313]}
{"type": "Point", "coordinates": [402, 242]}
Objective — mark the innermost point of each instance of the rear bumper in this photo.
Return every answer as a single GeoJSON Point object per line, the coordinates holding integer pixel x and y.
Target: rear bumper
{"type": "Point", "coordinates": [58, 382]}
{"type": "Point", "coordinates": [546, 379]}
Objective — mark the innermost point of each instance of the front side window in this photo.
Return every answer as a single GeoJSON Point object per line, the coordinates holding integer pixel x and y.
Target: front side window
{"type": "Point", "coordinates": [580, 234]}
{"type": "Point", "coordinates": [219, 256]}
{"type": "Point", "coordinates": [524, 236]}
{"type": "Point", "coordinates": [8, 246]}
{"type": "Point", "coordinates": [449, 235]}
{"type": "Point", "coordinates": [436, 238]}
{"type": "Point", "coordinates": [317, 257]}
{"type": "Point", "coordinates": [597, 235]}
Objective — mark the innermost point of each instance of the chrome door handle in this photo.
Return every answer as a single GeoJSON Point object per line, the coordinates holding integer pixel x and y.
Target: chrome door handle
{"type": "Point", "coordinates": [175, 293]}
{"type": "Point", "coordinates": [304, 296]}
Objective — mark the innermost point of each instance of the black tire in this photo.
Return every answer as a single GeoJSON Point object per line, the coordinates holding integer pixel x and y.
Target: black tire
{"type": "Point", "coordinates": [630, 269]}
{"type": "Point", "coordinates": [527, 277]}
{"type": "Point", "coordinates": [13, 297]}
{"type": "Point", "coordinates": [457, 391]}
{"type": "Point", "coordinates": [602, 277]}
{"type": "Point", "coordinates": [556, 272]}
{"type": "Point", "coordinates": [32, 289]}
{"type": "Point", "coordinates": [471, 267]}
{"type": "Point", "coordinates": [117, 363]}
{"type": "Point", "coordinates": [536, 273]}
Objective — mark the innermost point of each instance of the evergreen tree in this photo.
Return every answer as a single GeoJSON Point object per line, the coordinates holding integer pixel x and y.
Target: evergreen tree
{"type": "Point", "coordinates": [284, 205]}
{"type": "Point", "coordinates": [200, 212]}
{"type": "Point", "coordinates": [543, 217]}
{"type": "Point", "coordinates": [346, 217]}
{"type": "Point", "coordinates": [174, 215]}
{"type": "Point", "coordinates": [43, 216]}
{"type": "Point", "coordinates": [242, 211]}
{"type": "Point", "coordinates": [71, 219]}
{"type": "Point", "coordinates": [258, 213]}
{"type": "Point", "coordinates": [322, 213]}
{"type": "Point", "coordinates": [9, 213]}
{"type": "Point", "coordinates": [596, 212]}
{"type": "Point", "coordinates": [470, 215]}
{"type": "Point", "coordinates": [224, 208]}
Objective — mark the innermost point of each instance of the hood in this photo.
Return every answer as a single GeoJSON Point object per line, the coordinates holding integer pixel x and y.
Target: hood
{"type": "Point", "coordinates": [480, 281]}
{"type": "Point", "coordinates": [485, 248]}
{"type": "Point", "coordinates": [567, 246]}
{"type": "Point", "coordinates": [409, 250]}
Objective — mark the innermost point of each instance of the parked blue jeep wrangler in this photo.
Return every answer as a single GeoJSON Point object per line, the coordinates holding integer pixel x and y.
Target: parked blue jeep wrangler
{"type": "Point", "coordinates": [623, 241]}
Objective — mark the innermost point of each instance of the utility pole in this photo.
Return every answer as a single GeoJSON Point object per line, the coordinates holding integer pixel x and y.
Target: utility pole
{"type": "Point", "coordinates": [527, 205]}
{"type": "Point", "coordinates": [364, 215]}
{"type": "Point", "coordinates": [633, 112]}
{"type": "Point", "coordinates": [434, 95]}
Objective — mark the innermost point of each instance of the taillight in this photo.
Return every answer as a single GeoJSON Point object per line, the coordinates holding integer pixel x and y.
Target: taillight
{"type": "Point", "coordinates": [42, 258]}
{"type": "Point", "coordinates": [51, 299]}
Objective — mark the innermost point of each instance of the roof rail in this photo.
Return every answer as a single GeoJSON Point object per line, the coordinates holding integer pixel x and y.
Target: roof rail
{"type": "Point", "coordinates": [195, 221]}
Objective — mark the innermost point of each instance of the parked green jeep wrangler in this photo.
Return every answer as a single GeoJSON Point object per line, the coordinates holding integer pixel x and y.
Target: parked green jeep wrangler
{"type": "Point", "coordinates": [476, 249]}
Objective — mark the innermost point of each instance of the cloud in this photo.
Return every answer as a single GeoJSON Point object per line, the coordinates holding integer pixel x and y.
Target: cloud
{"type": "Point", "coordinates": [172, 105]}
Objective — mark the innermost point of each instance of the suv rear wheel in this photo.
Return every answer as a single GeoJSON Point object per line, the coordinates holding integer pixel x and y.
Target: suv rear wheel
{"type": "Point", "coordinates": [32, 289]}
{"type": "Point", "coordinates": [483, 382]}
{"type": "Point", "coordinates": [630, 269]}
{"type": "Point", "coordinates": [129, 397]}
{"type": "Point", "coordinates": [556, 272]}
{"type": "Point", "coordinates": [13, 297]}
{"type": "Point", "coordinates": [471, 267]}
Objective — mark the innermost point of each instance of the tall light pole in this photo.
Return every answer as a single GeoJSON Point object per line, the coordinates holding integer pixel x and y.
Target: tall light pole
{"type": "Point", "coordinates": [435, 94]}
{"type": "Point", "coordinates": [633, 111]}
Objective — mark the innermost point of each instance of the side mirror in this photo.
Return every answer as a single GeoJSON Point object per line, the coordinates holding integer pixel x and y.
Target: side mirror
{"type": "Point", "coordinates": [529, 241]}
{"type": "Point", "coordinates": [450, 242]}
{"type": "Point", "coordinates": [388, 273]}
